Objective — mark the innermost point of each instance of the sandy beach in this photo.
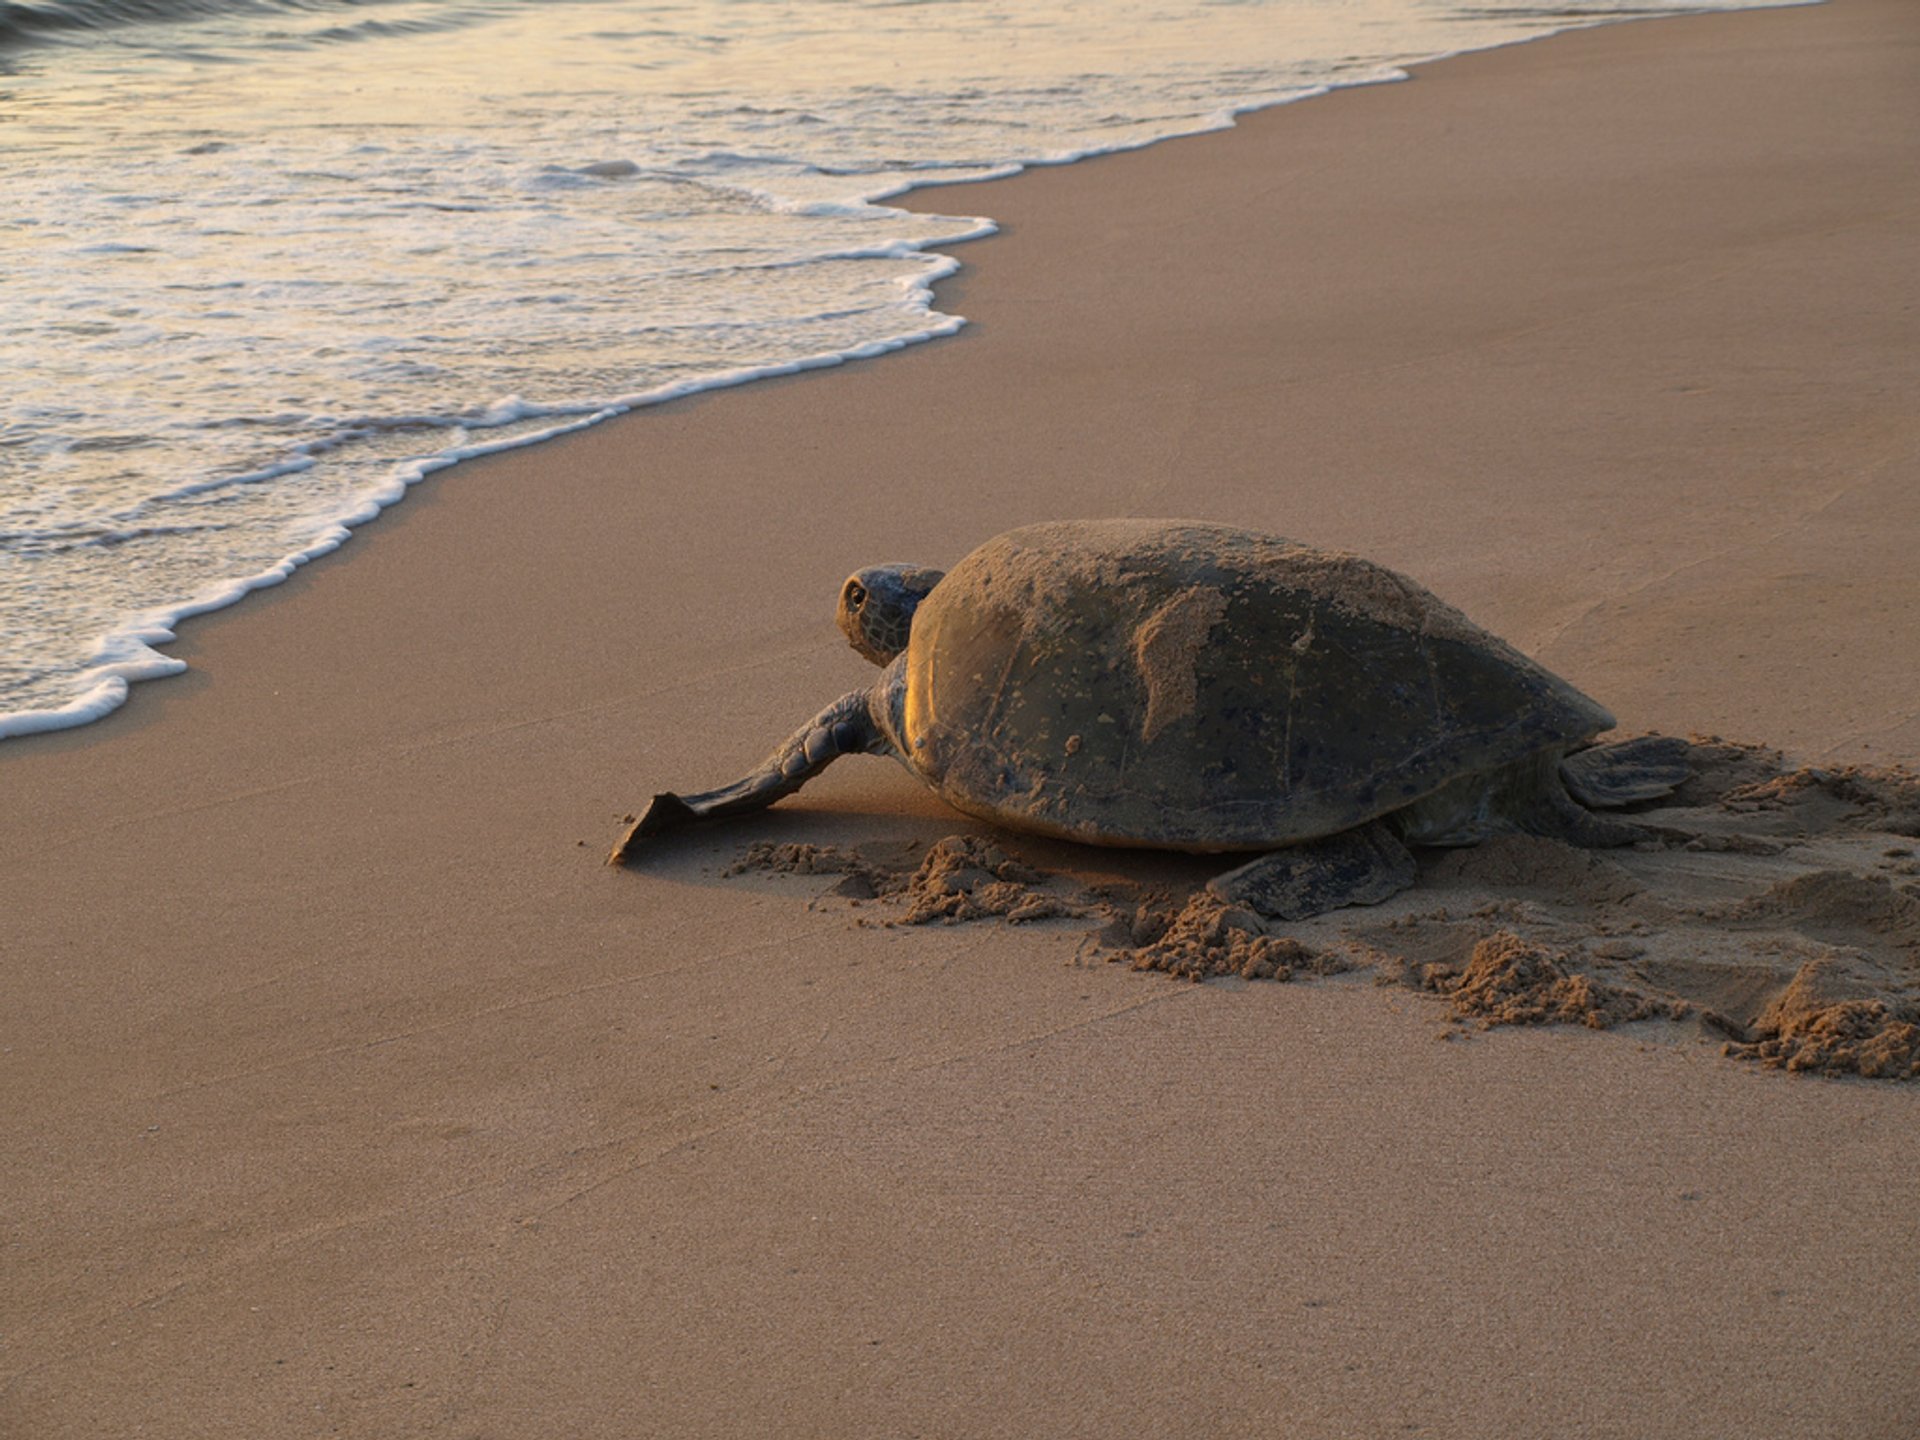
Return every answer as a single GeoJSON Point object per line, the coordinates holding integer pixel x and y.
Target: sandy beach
{"type": "Point", "coordinates": [348, 1092]}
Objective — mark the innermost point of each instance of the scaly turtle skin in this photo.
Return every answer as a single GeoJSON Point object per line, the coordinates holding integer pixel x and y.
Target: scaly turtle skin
{"type": "Point", "coordinates": [1197, 687]}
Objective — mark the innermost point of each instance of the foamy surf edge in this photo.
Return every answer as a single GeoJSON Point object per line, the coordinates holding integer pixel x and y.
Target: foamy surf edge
{"type": "Point", "coordinates": [128, 653]}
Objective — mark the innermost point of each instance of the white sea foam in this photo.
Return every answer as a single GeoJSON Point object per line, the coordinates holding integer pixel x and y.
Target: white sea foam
{"type": "Point", "coordinates": [253, 294]}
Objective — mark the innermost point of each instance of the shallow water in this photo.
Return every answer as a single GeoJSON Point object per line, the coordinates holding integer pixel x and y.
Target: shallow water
{"type": "Point", "coordinates": [265, 262]}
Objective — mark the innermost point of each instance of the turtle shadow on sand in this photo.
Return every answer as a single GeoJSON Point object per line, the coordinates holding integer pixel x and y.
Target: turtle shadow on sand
{"type": "Point", "coordinates": [1414, 794]}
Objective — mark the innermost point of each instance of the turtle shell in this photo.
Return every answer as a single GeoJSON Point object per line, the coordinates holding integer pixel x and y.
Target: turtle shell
{"type": "Point", "coordinates": [1199, 687]}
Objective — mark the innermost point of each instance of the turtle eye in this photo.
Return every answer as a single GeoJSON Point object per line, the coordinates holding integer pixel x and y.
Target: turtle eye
{"type": "Point", "coordinates": [856, 594]}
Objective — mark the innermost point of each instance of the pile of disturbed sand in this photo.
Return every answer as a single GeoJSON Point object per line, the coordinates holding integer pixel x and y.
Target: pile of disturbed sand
{"type": "Point", "coordinates": [1778, 910]}
{"type": "Point", "coordinates": [963, 877]}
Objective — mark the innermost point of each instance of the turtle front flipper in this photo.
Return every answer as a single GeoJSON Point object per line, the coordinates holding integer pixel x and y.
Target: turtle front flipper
{"type": "Point", "coordinates": [1354, 867]}
{"type": "Point", "coordinates": [845, 727]}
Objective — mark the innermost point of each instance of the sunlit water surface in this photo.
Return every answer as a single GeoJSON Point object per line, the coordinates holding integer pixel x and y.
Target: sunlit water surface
{"type": "Point", "coordinates": [264, 262]}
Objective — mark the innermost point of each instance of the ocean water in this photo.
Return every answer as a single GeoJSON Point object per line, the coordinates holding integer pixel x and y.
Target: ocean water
{"type": "Point", "coordinates": [263, 263]}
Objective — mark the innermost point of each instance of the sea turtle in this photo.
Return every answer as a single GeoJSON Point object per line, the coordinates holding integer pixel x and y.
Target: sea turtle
{"type": "Point", "coordinates": [1197, 687]}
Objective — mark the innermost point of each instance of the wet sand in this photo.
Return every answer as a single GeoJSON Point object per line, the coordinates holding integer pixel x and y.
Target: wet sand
{"type": "Point", "coordinates": [347, 1092]}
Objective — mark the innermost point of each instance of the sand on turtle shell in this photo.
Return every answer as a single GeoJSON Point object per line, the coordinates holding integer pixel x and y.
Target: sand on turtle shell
{"type": "Point", "coordinates": [1360, 587]}
{"type": "Point", "coordinates": [1108, 555]}
{"type": "Point", "coordinates": [1774, 912]}
{"type": "Point", "coordinates": [1166, 650]}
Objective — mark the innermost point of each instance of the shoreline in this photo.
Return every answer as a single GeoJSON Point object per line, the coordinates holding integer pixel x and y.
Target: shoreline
{"type": "Point", "coordinates": [353, 1094]}
{"type": "Point", "coordinates": [113, 679]}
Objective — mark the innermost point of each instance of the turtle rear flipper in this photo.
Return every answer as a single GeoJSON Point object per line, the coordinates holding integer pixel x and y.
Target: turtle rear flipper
{"type": "Point", "coordinates": [1355, 867]}
{"type": "Point", "coordinates": [1627, 772]}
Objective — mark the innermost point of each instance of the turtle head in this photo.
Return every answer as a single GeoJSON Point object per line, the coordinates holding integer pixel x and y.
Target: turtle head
{"type": "Point", "coordinates": [877, 605]}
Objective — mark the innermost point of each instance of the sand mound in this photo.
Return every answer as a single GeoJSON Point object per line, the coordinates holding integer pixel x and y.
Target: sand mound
{"type": "Point", "coordinates": [1773, 911]}
{"type": "Point", "coordinates": [967, 878]}
{"type": "Point", "coordinates": [1511, 981]}
{"type": "Point", "coordinates": [1751, 780]}
{"type": "Point", "coordinates": [1208, 937]}
{"type": "Point", "coordinates": [1826, 1020]}
{"type": "Point", "coordinates": [794, 859]}
{"type": "Point", "coordinates": [1886, 799]}
{"type": "Point", "coordinates": [1840, 901]}
{"type": "Point", "coordinates": [961, 878]}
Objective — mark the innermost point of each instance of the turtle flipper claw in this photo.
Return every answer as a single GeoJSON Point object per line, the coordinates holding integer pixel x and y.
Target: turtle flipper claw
{"type": "Point", "coordinates": [667, 812]}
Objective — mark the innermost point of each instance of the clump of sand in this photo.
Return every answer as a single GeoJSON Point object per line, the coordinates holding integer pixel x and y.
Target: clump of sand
{"type": "Point", "coordinates": [1827, 1020]}
{"type": "Point", "coordinates": [1207, 938]}
{"type": "Point", "coordinates": [964, 877]}
{"type": "Point", "coordinates": [801, 859]}
{"type": "Point", "coordinates": [961, 878]}
{"type": "Point", "coordinates": [1886, 800]}
{"type": "Point", "coordinates": [1511, 981]}
{"type": "Point", "coordinates": [1774, 911]}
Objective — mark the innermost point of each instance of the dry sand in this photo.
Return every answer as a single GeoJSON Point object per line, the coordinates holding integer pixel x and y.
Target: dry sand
{"type": "Point", "coordinates": [346, 1092]}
